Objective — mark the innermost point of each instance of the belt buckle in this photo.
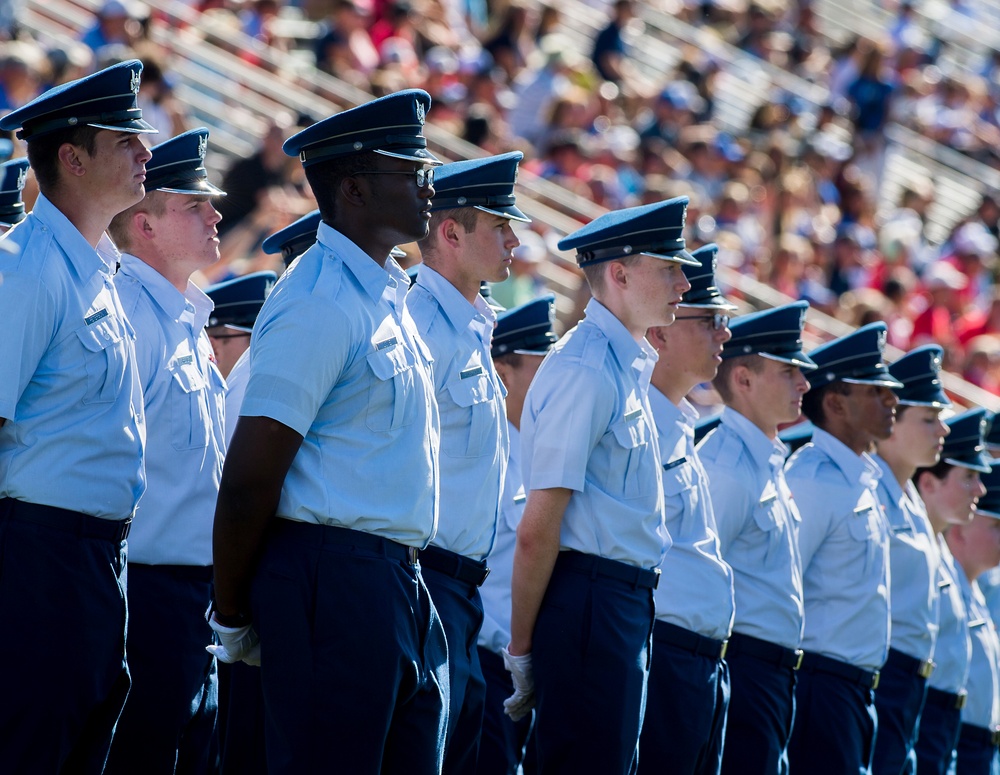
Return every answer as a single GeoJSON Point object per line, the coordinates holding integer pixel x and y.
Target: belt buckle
{"type": "Point", "coordinates": [124, 529]}
{"type": "Point", "coordinates": [926, 668]}
{"type": "Point", "coordinates": [725, 648]}
{"type": "Point", "coordinates": [875, 677]}
{"type": "Point", "coordinates": [656, 581]}
{"type": "Point", "coordinates": [486, 575]}
{"type": "Point", "coordinates": [961, 699]}
{"type": "Point", "coordinates": [412, 555]}
{"type": "Point", "coordinates": [799, 653]}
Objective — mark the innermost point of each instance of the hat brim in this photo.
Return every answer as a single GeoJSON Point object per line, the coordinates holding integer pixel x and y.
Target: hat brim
{"type": "Point", "coordinates": [936, 403]}
{"type": "Point", "coordinates": [981, 463]}
{"type": "Point", "coordinates": [680, 257]}
{"type": "Point", "coordinates": [411, 154]}
{"type": "Point", "coordinates": [510, 212]}
{"type": "Point", "coordinates": [988, 513]}
{"type": "Point", "coordinates": [879, 380]}
{"type": "Point", "coordinates": [799, 359]}
{"type": "Point", "coordinates": [136, 127]}
{"type": "Point", "coordinates": [718, 303]}
{"type": "Point", "coordinates": [232, 327]}
{"type": "Point", "coordinates": [199, 188]}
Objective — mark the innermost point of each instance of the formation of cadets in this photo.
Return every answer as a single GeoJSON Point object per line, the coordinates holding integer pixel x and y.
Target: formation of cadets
{"type": "Point", "coordinates": [437, 539]}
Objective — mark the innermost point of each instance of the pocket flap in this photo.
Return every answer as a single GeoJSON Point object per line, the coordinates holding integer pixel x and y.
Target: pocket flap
{"type": "Point", "coordinates": [390, 361]}
{"type": "Point", "coordinates": [188, 377]}
{"type": "Point", "coordinates": [470, 391]}
{"type": "Point", "coordinates": [100, 335]}
{"type": "Point", "coordinates": [632, 432]}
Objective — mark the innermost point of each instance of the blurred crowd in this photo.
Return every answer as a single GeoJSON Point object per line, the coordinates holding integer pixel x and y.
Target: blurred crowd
{"type": "Point", "coordinates": [792, 201]}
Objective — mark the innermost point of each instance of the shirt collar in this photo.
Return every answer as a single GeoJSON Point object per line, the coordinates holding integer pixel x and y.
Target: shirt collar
{"type": "Point", "coordinates": [370, 275]}
{"type": "Point", "coordinates": [640, 356]}
{"type": "Point", "coordinates": [888, 479]}
{"type": "Point", "coordinates": [762, 449]}
{"type": "Point", "coordinates": [459, 312]}
{"type": "Point", "coordinates": [169, 299]}
{"type": "Point", "coordinates": [856, 468]}
{"type": "Point", "coordinates": [84, 257]}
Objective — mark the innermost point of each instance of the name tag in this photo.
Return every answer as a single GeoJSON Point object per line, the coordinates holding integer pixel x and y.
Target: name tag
{"type": "Point", "coordinates": [520, 498]}
{"type": "Point", "coordinates": [184, 360]}
{"type": "Point", "coordinates": [902, 529]}
{"type": "Point", "coordinates": [99, 315]}
{"type": "Point", "coordinates": [674, 463]}
{"type": "Point", "coordinates": [385, 344]}
{"type": "Point", "coordinates": [473, 371]}
{"type": "Point", "coordinates": [944, 584]}
{"type": "Point", "coordinates": [860, 509]}
{"type": "Point", "coordinates": [977, 623]}
{"type": "Point", "coordinates": [633, 414]}
{"type": "Point", "coordinates": [770, 493]}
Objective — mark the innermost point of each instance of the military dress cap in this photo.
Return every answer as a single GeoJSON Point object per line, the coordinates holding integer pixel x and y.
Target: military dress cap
{"type": "Point", "coordinates": [527, 329]}
{"type": "Point", "coordinates": [704, 293]}
{"type": "Point", "coordinates": [486, 291]}
{"type": "Point", "coordinates": [773, 333]}
{"type": "Point", "coordinates": [654, 230]}
{"type": "Point", "coordinates": [390, 126]}
{"type": "Point", "coordinates": [705, 425]}
{"type": "Point", "coordinates": [12, 176]}
{"type": "Point", "coordinates": [295, 239]}
{"type": "Point", "coordinates": [6, 149]}
{"type": "Point", "coordinates": [965, 445]}
{"type": "Point", "coordinates": [920, 372]}
{"type": "Point", "coordinates": [238, 301]}
{"type": "Point", "coordinates": [105, 100]}
{"type": "Point", "coordinates": [177, 166]}
{"type": "Point", "coordinates": [993, 433]}
{"type": "Point", "coordinates": [855, 358]}
{"type": "Point", "coordinates": [486, 184]}
{"type": "Point", "coordinates": [989, 504]}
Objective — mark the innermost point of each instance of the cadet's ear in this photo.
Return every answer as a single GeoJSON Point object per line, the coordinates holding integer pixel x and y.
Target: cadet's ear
{"type": "Point", "coordinates": [70, 160]}
{"type": "Point", "coordinates": [352, 192]}
{"type": "Point", "coordinates": [656, 336]}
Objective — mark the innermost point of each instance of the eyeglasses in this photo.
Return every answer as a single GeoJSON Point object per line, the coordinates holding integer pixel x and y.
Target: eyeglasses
{"type": "Point", "coordinates": [228, 336]}
{"type": "Point", "coordinates": [716, 322]}
{"type": "Point", "coordinates": [424, 175]}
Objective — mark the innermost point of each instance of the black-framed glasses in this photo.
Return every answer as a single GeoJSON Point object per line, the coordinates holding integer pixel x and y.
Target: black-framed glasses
{"type": "Point", "coordinates": [424, 175]}
{"type": "Point", "coordinates": [716, 322]}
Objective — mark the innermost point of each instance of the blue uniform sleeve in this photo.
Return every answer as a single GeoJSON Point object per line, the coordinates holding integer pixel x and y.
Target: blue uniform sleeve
{"type": "Point", "coordinates": [29, 324]}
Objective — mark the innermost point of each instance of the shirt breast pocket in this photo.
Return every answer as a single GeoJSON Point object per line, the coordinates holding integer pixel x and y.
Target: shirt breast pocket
{"type": "Point", "coordinates": [767, 518]}
{"type": "Point", "coordinates": [862, 526]}
{"type": "Point", "coordinates": [632, 466]}
{"type": "Point", "coordinates": [189, 417]}
{"type": "Point", "coordinates": [105, 359]}
{"type": "Point", "coordinates": [391, 394]}
{"type": "Point", "coordinates": [679, 497]}
{"type": "Point", "coordinates": [474, 434]}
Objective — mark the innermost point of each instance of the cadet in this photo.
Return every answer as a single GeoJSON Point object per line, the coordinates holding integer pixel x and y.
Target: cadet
{"type": "Point", "coordinates": [470, 240]}
{"type": "Point", "coordinates": [844, 545]}
{"type": "Point", "coordinates": [172, 707]}
{"type": "Point", "coordinates": [521, 339]}
{"type": "Point", "coordinates": [761, 382]}
{"type": "Point", "coordinates": [12, 177]}
{"type": "Point", "coordinates": [71, 429]}
{"type": "Point", "coordinates": [593, 534]}
{"type": "Point", "coordinates": [237, 303]}
{"type": "Point", "coordinates": [688, 693]}
{"type": "Point", "coordinates": [949, 490]}
{"type": "Point", "coordinates": [331, 478]}
{"type": "Point", "coordinates": [916, 441]}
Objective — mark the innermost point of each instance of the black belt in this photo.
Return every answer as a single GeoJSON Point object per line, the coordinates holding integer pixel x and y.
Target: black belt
{"type": "Point", "coordinates": [918, 667]}
{"type": "Point", "coordinates": [981, 735]}
{"type": "Point", "coordinates": [780, 656]}
{"type": "Point", "coordinates": [455, 565]}
{"type": "Point", "coordinates": [318, 535]}
{"type": "Point", "coordinates": [579, 562]}
{"type": "Point", "coordinates": [688, 640]}
{"type": "Point", "coordinates": [84, 525]}
{"type": "Point", "coordinates": [817, 663]}
{"type": "Point", "coordinates": [946, 700]}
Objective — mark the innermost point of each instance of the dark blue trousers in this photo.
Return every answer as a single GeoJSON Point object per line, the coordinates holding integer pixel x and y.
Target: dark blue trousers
{"type": "Point", "coordinates": [353, 656]}
{"type": "Point", "coordinates": [502, 749]}
{"type": "Point", "coordinates": [940, 724]}
{"type": "Point", "coordinates": [590, 652]}
{"type": "Point", "coordinates": [835, 723]}
{"type": "Point", "coordinates": [168, 724]}
{"type": "Point", "coordinates": [686, 703]}
{"type": "Point", "coordinates": [976, 753]}
{"type": "Point", "coordinates": [460, 608]}
{"type": "Point", "coordinates": [63, 677]}
{"type": "Point", "coordinates": [761, 714]}
{"type": "Point", "coordinates": [241, 720]}
{"type": "Point", "coordinates": [899, 700]}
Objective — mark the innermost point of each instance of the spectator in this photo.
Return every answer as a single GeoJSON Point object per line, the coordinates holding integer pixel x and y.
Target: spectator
{"type": "Point", "coordinates": [609, 51]}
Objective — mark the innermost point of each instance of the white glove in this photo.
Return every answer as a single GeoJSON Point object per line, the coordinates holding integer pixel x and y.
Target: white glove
{"type": "Point", "coordinates": [235, 643]}
{"type": "Point", "coordinates": [520, 704]}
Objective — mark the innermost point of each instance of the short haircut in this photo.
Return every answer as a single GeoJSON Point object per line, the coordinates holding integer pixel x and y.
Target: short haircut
{"type": "Point", "coordinates": [466, 217]}
{"type": "Point", "coordinates": [511, 359]}
{"type": "Point", "coordinates": [812, 401]}
{"type": "Point", "coordinates": [721, 383]}
{"type": "Point", "coordinates": [43, 152]}
{"type": "Point", "coordinates": [154, 203]}
{"type": "Point", "coordinates": [595, 272]}
{"type": "Point", "coordinates": [939, 471]}
{"type": "Point", "coordinates": [325, 178]}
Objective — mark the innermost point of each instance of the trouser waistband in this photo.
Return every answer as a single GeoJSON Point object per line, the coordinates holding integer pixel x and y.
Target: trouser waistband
{"type": "Point", "coordinates": [907, 664]}
{"type": "Point", "coordinates": [817, 663]}
{"type": "Point", "coordinates": [84, 525]}
{"type": "Point", "coordinates": [597, 567]}
{"type": "Point", "coordinates": [688, 640]}
{"type": "Point", "coordinates": [472, 572]}
{"type": "Point", "coordinates": [946, 700]}
{"type": "Point", "coordinates": [780, 656]}
{"type": "Point", "coordinates": [318, 535]}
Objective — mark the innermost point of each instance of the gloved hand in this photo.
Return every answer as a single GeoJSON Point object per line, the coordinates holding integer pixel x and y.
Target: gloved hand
{"type": "Point", "coordinates": [523, 700]}
{"type": "Point", "coordinates": [235, 643]}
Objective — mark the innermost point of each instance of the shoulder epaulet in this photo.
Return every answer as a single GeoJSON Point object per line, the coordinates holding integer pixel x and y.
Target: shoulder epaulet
{"type": "Point", "coordinates": [129, 290]}
{"type": "Point", "coordinates": [595, 351]}
{"type": "Point", "coordinates": [731, 448]}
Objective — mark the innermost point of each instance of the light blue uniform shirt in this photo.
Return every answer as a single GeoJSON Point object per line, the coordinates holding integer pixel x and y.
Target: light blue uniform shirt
{"type": "Point", "coordinates": [758, 526]}
{"type": "Point", "coordinates": [989, 585]}
{"type": "Point", "coordinates": [954, 647]}
{"type": "Point", "coordinates": [982, 707]}
{"type": "Point", "coordinates": [696, 586]}
{"type": "Point", "coordinates": [496, 590]}
{"type": "Point", "coordinates": [914, 560]}
{"type": "Point", "coordinates": [844, 543]}
{"type": "Point", "coordinates": [470, 397]}
{"type": "Point", "coordinates": [236, 388]}
{"type": "Point", "coordinates": [336, 357]}
{"type": "Point", "coordinates": [69, 389]}
{"type": "Point", "coordinates": [184, 396]}
{"type": "Point", "coordinates": [587, 427]}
